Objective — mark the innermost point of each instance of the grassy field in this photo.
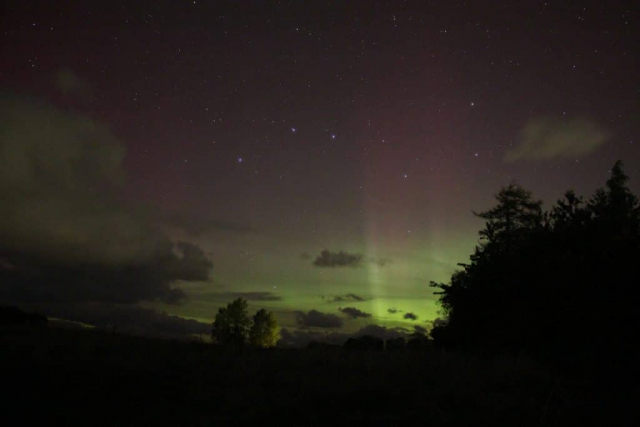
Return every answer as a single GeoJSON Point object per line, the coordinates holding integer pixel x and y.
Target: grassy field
{"type": "Point", "coordinates": [97, 378]}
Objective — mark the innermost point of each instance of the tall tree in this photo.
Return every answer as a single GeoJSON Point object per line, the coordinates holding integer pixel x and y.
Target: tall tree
{"type": "Point", "coordinates": [264, 332]}
{"type": "Point", "coordinates": [516, 210]}
{"type": "Point", "coordinates": [617, 204]}
{"type": "Point", "coordinates": [537, 279]}
{"type": "Point", "coordinates": [231, 325]}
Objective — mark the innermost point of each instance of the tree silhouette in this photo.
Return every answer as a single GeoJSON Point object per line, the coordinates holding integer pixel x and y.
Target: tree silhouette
{"type": "Point", "coordinates": [516, 211]}
{"type": "Point", "coordinates": [231, 325]}
{"type": "Point", "coordinates": [264, 332]}
{"type": "Point", "coordinates": [537, 280]}
{"type": "Point", "coordinates": [418, 342]}
{"type": "Point", "coordinates": [616, 206]}
{"type": "Point", "coordinates": [364, 342]}
{"type": "Point", "coordinates": [395, 344]}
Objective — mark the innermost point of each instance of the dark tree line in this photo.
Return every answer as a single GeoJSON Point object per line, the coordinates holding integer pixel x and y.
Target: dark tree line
{"type": "Point", "coordinates": [566, 278]}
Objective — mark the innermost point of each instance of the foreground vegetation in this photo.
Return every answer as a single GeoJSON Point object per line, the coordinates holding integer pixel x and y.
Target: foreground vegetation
{"type": "Point", "coordinates": [561, 280]}
{"type": "Point", "coordinates": [89, 377]}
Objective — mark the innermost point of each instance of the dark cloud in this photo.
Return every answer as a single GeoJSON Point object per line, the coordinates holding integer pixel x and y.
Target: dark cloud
{"type": "Point", "coordinates": [125, 318]}
{"type": "Point", "coordinates": [345, 298]}
{"type": "Point", "coordinates": [410, 316]}
{"type": "Point", "coordinates": [337, 259]}
{"type": "Point", "coordinates": [545, 138]}
{"type": "Point", "coordinates": [314, 318]}
{"type": "Point", "coordinates": [354, 313]}
{"type": "Point", "coordinates": [251, 296]}
{"type": "Point", "coordinates": [38, 278]}
{"type": "Point", "coordinates": [393, 310]}
{"type": "Point", "coordinates": [188, 262]}
{"type": "Point", "coordinates": [64, 229]}
{"type": "Point", "coordinates": [68, 324]}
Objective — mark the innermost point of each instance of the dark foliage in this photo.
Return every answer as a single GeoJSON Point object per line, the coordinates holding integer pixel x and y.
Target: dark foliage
{"type": "Point", "coordinates": [364, 342]}
{"type": "Point", "coordinates": [395, 344]}
{"type": "Point", "coordinates": [562, 281]}
{"type": "Point", "coordinates": [232, 324]}
{"type": "Point", "coordinates": [319, 345]}
{"type": "Point", "coordinates": [264, 332]}
{"type": "Point", "coordinates": [418, 342]}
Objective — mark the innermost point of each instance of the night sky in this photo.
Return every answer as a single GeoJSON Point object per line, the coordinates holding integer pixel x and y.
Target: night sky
{"type": "Point", "coordinates": [260, 134]}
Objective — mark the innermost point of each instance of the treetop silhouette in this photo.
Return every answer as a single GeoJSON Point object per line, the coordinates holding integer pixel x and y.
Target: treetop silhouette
{"type": "Point", "coordinates": [548, 280]}
{"type": "Point", "coordinates": [233, 327]}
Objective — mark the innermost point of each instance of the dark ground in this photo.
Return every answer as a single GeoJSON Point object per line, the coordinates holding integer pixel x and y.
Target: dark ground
{"type": "Point", "coordinates": [84, 377]}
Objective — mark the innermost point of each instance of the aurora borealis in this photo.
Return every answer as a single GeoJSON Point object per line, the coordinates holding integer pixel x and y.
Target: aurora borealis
{"type": "Point", "coordinates": [263, 133]}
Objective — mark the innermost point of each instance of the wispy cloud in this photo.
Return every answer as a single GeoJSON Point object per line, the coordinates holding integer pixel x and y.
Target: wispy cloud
{"type": "Point", "coordinates": [545, 138]}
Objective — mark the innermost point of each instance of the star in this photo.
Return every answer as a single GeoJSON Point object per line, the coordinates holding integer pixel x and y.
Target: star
{"type": "Point", "coordinates": [240, 160]}
{"type": "Point", "coordinates": [294, 130]}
